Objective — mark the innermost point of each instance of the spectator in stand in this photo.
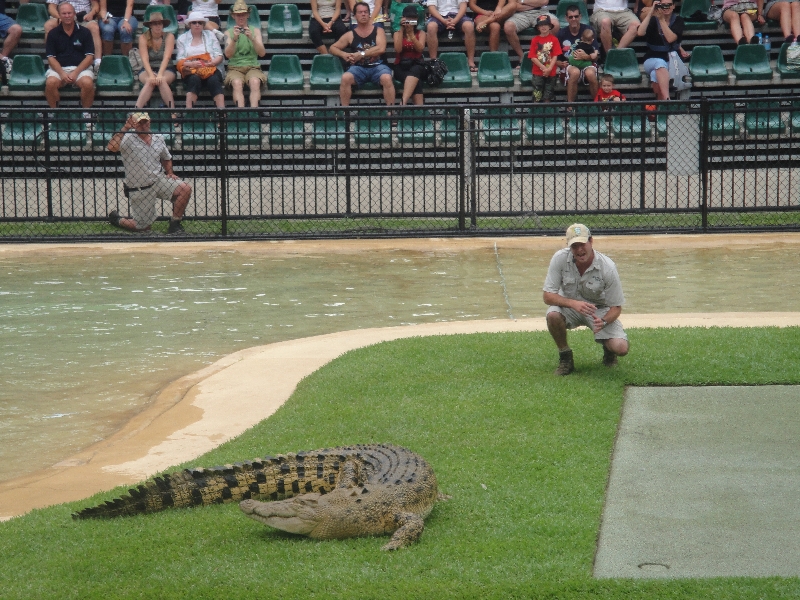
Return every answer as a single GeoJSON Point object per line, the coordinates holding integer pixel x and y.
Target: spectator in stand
{"type": "Point", "coordinates": [362, 48]}
{"type": "Point", "coordinates": [243, 48]}
{"type": "Point", "coordinates": [607, 93]}
{"type": "Point", "coordinates": [70, 51]}
{"type": "Point", "coordinates": [325, 19]}
{"type": "Point", "coordinates": [451, 15]}
{"type": "Point", "coordinates": [739, 17]}
{"type": "Point", "coordinates": [116, 16]}
{"type": "Point", "coordinates": [544, 53]}
{"type": "Point", "coordinates": [488, 15]}
{"type": "Point", "coordinates": [662, 30]}
{"type": "Point", "coordinates": [198, 57]}
{"type": "Point", "coordinates": [12, 32]}
{"type": "Point", "coordinates": [377, 16]}
{"type": "Point", "coordinates": [155, 48]}
{"type": "Point", "coordinates": [787, 13]}
{"type": "Point", "coordinates": [569, 38]}
{"type": "Point", "coordinates": [522, 14]}
{"type": "Point", "coordinates": [86, 12]}
{"type": "Point", "coordinates": [210, 10]}
{"type": "Point", "coordinates": [610, 14]}
{"type": "Point", "coordinates": [409, 63]}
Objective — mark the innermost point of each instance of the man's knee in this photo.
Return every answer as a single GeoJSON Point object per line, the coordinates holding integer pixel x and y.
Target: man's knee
{"type": "Point", "coordinates": [468, 28]}
{"type": "Point", "coordinates": [387, 80]}
{"type": "Point", "coordinates": [510, 27]}
{"type": "Point", "coordinates": [14, 31]}
{"type": "Point", "coordinates": [348, 79]}
{"type": "Point", "coordinates": [633, 26]}
{"type": "Point", "coordinates": [590, 74]}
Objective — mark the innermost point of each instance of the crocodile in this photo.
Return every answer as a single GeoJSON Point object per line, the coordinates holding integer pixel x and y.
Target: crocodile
{"type": "Point", "coordinates": [333, 493]}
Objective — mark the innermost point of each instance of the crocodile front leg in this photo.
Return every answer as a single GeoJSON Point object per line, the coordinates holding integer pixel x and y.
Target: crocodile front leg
{"type": "Point", "coordinates": [409, 529]}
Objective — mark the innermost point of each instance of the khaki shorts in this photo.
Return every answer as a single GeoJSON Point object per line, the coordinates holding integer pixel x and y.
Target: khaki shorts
{"type": "Point", "coordinates": [527, 18]}
{"type": "Point", "coordinates": [575, 319]}
{"type": "Point", "coordinates": [244, 74]}
{"type": "Point", "coordinates": [143, 203]}
{"type": "Point", "coordinates": [85, 73]}
{"type": "Point", "coordinates": [621, 19]}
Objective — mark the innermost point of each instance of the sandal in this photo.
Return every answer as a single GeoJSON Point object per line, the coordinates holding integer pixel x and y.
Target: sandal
{"type": "Point", "coordinates": [473, 69]}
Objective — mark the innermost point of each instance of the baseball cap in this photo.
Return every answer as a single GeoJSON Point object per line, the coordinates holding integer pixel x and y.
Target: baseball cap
{"type": "Point", "coordinates": [140, 116]}
{"type": "Point", "coordinates": [578, 234]}
{"type": "Point", "coordinates": [542, 20]}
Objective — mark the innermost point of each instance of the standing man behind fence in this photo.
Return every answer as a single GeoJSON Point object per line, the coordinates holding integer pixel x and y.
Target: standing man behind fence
{"type": "Point", "coordinates": [583, 288]}
{"type": "Point", "coordinates": [148, 176]}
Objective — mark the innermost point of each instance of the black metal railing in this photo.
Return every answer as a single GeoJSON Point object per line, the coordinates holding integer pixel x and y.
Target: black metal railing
{"type": "Point", "coordinates": [704, 165]}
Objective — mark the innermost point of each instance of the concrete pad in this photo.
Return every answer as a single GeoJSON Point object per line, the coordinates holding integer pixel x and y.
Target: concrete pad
{"type": "Point", "coordinates": [705, 482]}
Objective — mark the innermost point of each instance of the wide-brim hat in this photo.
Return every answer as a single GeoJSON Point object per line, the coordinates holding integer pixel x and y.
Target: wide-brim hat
{"type": "Point", "coordinates": [239, 7]}
{"type": "Point", "coordinates": [196, 17]}
{"type": "Point", "coordinates": [542, 20]}
{"type": "Point", "coordinates": [157, 17]}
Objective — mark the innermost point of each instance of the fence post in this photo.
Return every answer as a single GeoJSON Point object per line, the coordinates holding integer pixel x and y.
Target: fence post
{"type": "Point", "coordinates": [462, 212]}
{"type": "Point", "coordinates": [704, 110]}
{"type": "Point", "coordinates": [47, 166]}
{"type": "Point", "coordinates": [223, 170]}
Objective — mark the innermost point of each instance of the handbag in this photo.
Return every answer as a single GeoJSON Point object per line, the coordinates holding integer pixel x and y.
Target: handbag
{"type": "Point", "coordinates": [135, 58]}
{"type": "Point", "coordinates": [793, 58]}
{"type": "Point", "coordinates": [678, 71]}
{"type": "Point", "coordinates": [435, 70]}
{"type": "Point", "coordinates": [715, 13]}
{"type": "Point", "coordinates": [201, 72]}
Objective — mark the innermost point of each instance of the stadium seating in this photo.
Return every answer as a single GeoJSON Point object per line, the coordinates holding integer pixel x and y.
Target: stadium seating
{"type": "Point", "coordinates": [545, 124]}
{"type": "Point", "coordinates": [707, 65]}
{"type": "Point", "coordinates": [199, 130]}
{"type": "Point", "coordinates": [31, 17]}
{"type": "Point", "coordinates": [284, 22]}
{"type": "Point", "coordinates": [501, 124]}
{"type": "Point", "coordinates": [783, 69]}
{"type": "Point", "coordinates": [253, 20]}
{"type": "Point", "coordinates": [396, 12]}
{"type": "Point", "coordinates": [115, 74]}
{"type": "Point", "coordinates": [285, 73]}
{"type": "Point", "coordinates": [415, 126]}
{"type": "Point", "coordinates": [25, 131]}
{"type": "Point", "coordinates": [494, 70]}
{"type": "Point", "coordinates": [329, 131]}
{"type": "Point", "coordinates": [764, 120]}
{"type": "Point", "coordinates": [588, 123]}
{"type": "Point", "coordinates": [627, 126]}
{"type": "Point", "coordinates": [326, 72]}
{"type": "Point", "coordinates": [67, 129]}
{"type": "Point", "coordinates": [724, 123]}
{"type": "Point", "coordinates": [458, 73]}
{"type": "Point", "coordinates": [693, 9]}
{"type": "Point", "coordinates": [751, 63]}
{"type": "Point", "coordinates": [526, 72]}
{"type": "Point", "coordinates": [622, 64]}
{"type": "Point", "coordinates": [28, 74]}
{"type": "Point", "coordinates": [289, 131]}
{"type": "Point", "coordinates": [243, 130]}
{"type": "Point", "coordinates": [373, 128]}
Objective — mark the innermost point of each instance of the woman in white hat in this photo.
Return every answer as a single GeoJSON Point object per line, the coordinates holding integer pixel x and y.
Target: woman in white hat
{"type": "Point", "coordinates": [243, 47]}
{"type": "Point", "coordinates": [198, 58]}
{"type": "Point", "coordinates": [155, 48]}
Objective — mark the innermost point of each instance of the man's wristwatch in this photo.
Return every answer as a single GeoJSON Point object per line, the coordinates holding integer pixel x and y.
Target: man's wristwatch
{"type": "Point", "coordinates": [604, 322]}
{"type": "Point", "coordinates": [363, 54]}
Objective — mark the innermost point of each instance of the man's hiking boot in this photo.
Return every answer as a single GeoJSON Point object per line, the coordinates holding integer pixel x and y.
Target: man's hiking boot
{"type": "Point", "coordinates": [565, 363]}
{"type": "Point", "coordinates": [175, 227]}
{"type": "Point", "coordinates": [113, 218]}
{"type": "Point", "coordinates": [609, 358]}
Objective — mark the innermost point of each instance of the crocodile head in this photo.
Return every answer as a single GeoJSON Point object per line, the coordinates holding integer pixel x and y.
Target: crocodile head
{"type": "Point", "coordinates": [299, 515]}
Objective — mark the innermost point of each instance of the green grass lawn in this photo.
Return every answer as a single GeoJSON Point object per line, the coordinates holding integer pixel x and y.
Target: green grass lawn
{"type": "Point", "coordinates": [524, 454]}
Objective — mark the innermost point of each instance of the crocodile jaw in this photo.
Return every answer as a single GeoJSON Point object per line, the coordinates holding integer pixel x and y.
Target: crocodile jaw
{"type": "Point", "coordinates": [291, 515]}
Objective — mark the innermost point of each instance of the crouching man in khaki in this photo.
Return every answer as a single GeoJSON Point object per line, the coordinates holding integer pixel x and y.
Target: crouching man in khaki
{"type": "Point", "coordinates": [583, 288]}
{"type": "Point", "coordinates": [148, 176]}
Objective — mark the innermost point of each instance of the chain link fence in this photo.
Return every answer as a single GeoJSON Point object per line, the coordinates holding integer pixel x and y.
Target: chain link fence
{"type": "Point", "coordinates": [706, 165]}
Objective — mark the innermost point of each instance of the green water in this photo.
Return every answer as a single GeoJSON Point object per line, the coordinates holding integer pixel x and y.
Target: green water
{"type": "Point", "coordinates": [88, 338]}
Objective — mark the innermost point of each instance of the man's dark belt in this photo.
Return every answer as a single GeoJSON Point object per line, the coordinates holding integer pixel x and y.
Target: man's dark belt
{"type": "Point", "coordinates": [139, 189]}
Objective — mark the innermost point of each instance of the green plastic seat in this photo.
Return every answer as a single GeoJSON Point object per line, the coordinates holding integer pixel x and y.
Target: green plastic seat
{"type": "Point", "coordinates": [285, 73]}
{"type": "Point", "coordinates": [253, 20]}
{"type": "Point", "coordinates": [588, 122]}
{"type": "Point", "coordinates": [458, 73]}
{"type": "Point", "coordinates": [450, 127]}
{"type": "Point", "coordinates": [707, 64]}
{"type": "Point", "coordinates": [115, 74]}
{"type": "Point", "coordinates": [161, 122]}
{"type": "Point", "coordinates": [167, 11]}
{"type": "Point", "coordinates": [627, 126]}
{"type": "Point", "coordinates": [690, 7]}
{"type": "Point", "coordinates": [199, 129]}
{"type": "Point", "coordinates": [373, 128]}
{"type": "Point", "coordinates": [622, 64]}
{"type": "Point", "coordinates": [751, 63]}
{"type": "Point", "coordinates": [526, 72]}
{"type": "Point", "coordinates": [396, 12]}
{"type": "Point", "coordinates": [28, 74]}
{"type": "Point", "coordinates": [415, 126]}
{"type": "Point", "coordinates": [723, 123]}
{"type": "Point", "coordinates": [561, 11]}
{"type": "Point", "coordinates": [545, 124]}
{"type": "Point", "coordinates": [32, 17]}
{"type": "Point", "coordinates": [330, 130]}
{"type": "Point", "coordinates": [764, 119]}
{"type": "Point", "coordinates": [280, 27]}
{"type": "Point", "coordinates": [287, 129]}
{"type": "Point", "coordinates": [495, 70]}
{"type": "Point", "coordinates": [326, 72]}
{"type": "Point", "coordinates": [243, 129]}
{"type": "Point", "coordinates": [25, 130]}
{"type": "Point", "coordinates": [502, 124]}
{"type": "Point", "coordinates": [67, 129]}
{"type": "Point", "coordinates": [783, 68]}
{"type": "Point", "coordinates": [108, 123]}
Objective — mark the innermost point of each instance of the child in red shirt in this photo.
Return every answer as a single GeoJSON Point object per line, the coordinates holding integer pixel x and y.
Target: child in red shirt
{"type": "Point", "coordinates": [607, 93]}
{"type": "Point", "coordinates": [545, 48]}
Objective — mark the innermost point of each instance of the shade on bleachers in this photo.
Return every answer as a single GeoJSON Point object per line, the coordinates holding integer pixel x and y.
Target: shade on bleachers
{"type": "Point", "coordinates": [285, 73]}
{"type": "Point", "coordinates": [622, 64]}
{"type": "Point", "coordinates": [458, 73]}
{"type": "Point", "coordinates": [494, 70]}
{"type": "Point", "coordinates": [28, 74]}
{"type": "Point", "coordinates": [284, 22]}
{"type": "Point", "coordinates": [707, 64]}
{"type": "Point", "coordinates": [326, 72]}
{"type": "Point", "coordinates": [751, 63]}
{"type": "Point", "coordinates": [115, 74]}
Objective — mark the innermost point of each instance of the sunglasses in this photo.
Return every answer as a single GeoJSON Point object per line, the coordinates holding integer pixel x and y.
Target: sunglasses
{"type": "Point", "coordinates": [573, 17]}
{"type": "Point", "coordinates": [196, 23]}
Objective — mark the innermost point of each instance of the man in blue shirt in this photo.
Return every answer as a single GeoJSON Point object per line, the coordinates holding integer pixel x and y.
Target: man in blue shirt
{"type": "Point", "coordinates": [70, 52]}
{"type": "Point", "coordinates": [568, 37]}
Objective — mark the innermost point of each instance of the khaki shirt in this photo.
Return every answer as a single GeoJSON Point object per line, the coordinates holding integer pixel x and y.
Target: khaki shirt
{"type": "Point", "coordinates": [599, 284]}
{"type": "Point", "coordinates": [142, 161]}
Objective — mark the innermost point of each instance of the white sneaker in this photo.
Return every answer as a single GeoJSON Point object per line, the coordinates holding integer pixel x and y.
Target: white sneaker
{"type": "Point", "coordinates": [8, 63]}
{"type": "Point", "coordinates": [89, 118]}
{"type": "Point", "coordinates": [96, 65]}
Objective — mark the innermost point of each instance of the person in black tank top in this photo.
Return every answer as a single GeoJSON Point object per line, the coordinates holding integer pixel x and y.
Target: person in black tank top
{"type": "Point", "coordinates": [362, 49]}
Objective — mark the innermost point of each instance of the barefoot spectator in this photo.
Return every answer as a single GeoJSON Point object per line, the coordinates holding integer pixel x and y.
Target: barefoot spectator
{"type": "Point", "coordinates": [325, 20]}
{"type": "Point", "coordinates": [155, 48]}
{"type": "Point", "coordinates": [70, 52]}
{"type": "Point", "coordinates": [409, 62]}
{"type": "Point", "coordinates": [450, 16]}
{"type": "Point", "coordinates": [243, 47]}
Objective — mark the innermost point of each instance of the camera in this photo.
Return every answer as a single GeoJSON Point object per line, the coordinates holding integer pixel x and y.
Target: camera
{"type": "Point", "coordinates": [411, 22]}
{"type": "Point", "coordinates": [662, 6]}
{"type": "Point", "coordinates": [239, 29]}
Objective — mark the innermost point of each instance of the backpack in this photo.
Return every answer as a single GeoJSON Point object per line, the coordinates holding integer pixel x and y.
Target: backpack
{"type": "Point", "coordinates": [435, 70]}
